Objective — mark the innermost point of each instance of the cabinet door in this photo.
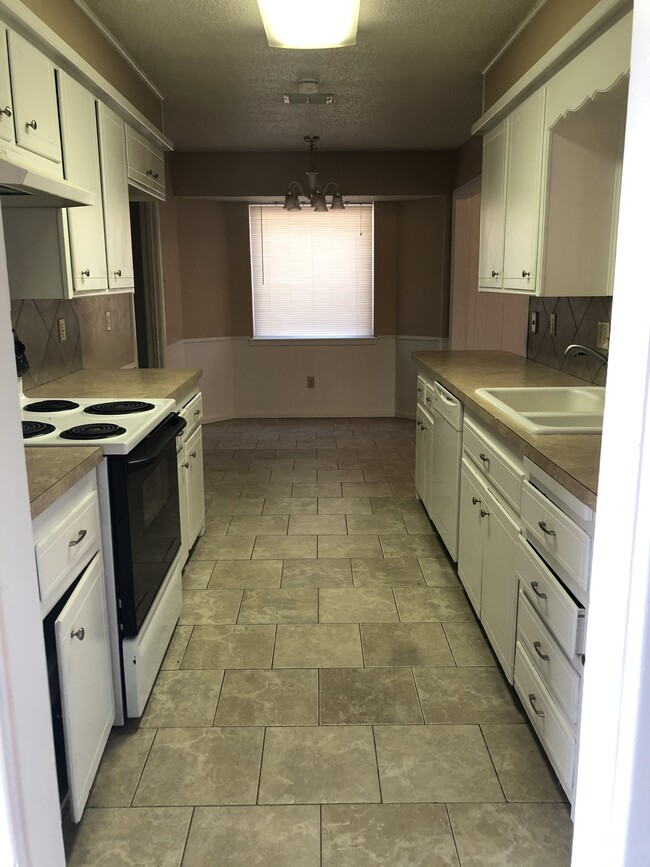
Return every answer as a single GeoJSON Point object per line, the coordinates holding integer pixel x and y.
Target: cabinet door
{"type": "Point", "coordinates": [493, 193]}
{"type": "Point", "coordinates": [499, 586]}
{"type": "Point", "coordinates": [36, 114]}
{"type": "Point", "coordinates": [157, 169]}
{"type": "Point", "coordinates": [6, 101]}
{"type": "Point", "coordinates": [183, 504]}
{"type": "Point", "coordinates": [115, 195]}
{"type": "Point", "coordinates": [81, 166]}
{"type": "Point", "coordinates": [470, 536]}
{"type": "Point", "coordinates": [195, 494]}
{"type": "Point", "coordinates": [86, 682]}
{"type": "Point", "coordinates": [137, 156]}
{"type": "Point", "coordinates": [431, 471]}
{"type": "Point", "coordinates": [421, 438]}
{"type": "Point", "coordinates": [523, 186]}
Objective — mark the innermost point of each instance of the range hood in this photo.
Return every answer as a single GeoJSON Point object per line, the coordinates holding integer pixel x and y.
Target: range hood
{"type": "Point", "coordinates": [21, 187]}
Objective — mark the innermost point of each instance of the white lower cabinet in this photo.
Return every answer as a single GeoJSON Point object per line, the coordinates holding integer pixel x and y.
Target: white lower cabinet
{"type": "Point", "coordinates": [486, 563]}
{"type": "Point", "coordinates": [424, 465]}
{"type": "Point", "coordinates": [85, 680]}
{"type": "Point", "coordinates": [195, 492]}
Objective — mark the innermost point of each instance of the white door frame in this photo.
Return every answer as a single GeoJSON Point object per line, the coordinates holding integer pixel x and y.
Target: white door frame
{"type": "Point", "coordinates": [613, 788]}
{"type": "Point", "coordinates": [30, 819]}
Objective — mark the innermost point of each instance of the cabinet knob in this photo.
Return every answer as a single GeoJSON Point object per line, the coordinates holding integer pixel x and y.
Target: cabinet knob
{"type": "Point", "coordinates": [31, 125]}
{"type": "Point", "coordinates": [6, 110]}
{"type": "Point", "coordinates": [82, 535]}
{"type": "Point", "coordinates": [186, 465]}
{"type": "Point", "coordinates": [192, 454]}
{"type": "Point", "coordinates": [532, 698]}
{"type": "Point", "coordinates": [150, 172]}
{"type": "Point", "coordinates": [484, 514]}
{"type": "Point", "coordinates": [495, 273]}
{"type": "Point", "coordinates": [80, 633]}
{"type": "Point", "coordinates": [155, 177]}
{"type": "Point", "coordinates": [118, 273]}
{"type": "Point", "coordinates": [475, 501]}
{"type": "Point", "coordinates": [525, 273]}
{"type": "Point", "coordinates": [538, 650]}
{"type": "Point", "coordinates": [86, 273]}
{"type": "Point", "coordinates": [534, 585]}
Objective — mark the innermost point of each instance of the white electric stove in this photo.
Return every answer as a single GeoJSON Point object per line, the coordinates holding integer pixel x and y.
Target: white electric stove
{"type": "Point", "coordinates": [115, 425]}
{"type": "Point", "coordinates": [140, 515]}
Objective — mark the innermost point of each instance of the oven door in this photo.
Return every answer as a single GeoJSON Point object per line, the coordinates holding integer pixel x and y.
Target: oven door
{"type": "Point", "coordinates": [145, 519]}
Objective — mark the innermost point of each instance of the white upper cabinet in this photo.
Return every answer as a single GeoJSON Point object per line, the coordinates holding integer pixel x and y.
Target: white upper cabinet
{"type": "Point", "coordinates": [81, 166]}
{"type": "Point", "coordinates": [145, 165]}
{"type": "Point", "coordinates": [551, 178]}
{"type": "Point", "coordinates": [523, 183]}
{"type": "Point", "coordinates": [116, 199]}
{"type": "Point", "coordinates": [36, 117]}
{"type": "Point", "coordinates": [6, 100]}
{"type": "Point", "coordinates": [493, 203]}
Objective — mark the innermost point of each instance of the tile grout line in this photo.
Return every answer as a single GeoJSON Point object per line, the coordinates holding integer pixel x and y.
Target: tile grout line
{"type": "Point", "coordinates": [505, 797]}
{"type": "Point", "coordinates": [259, 779]}
{"type": "Point", "coordinates": [374, 742]}
{"type": "Point", "coordinates": [144, 765]}
{"type": "Point", "coordinates": [453, 835]}
{"type": "Point", "coordinates": [187, 836]}
{"type": "Point", "coordinates": [221, 688]}
{"type": "Point", "coordinates": [417, 695]}
{"type": "Point", "coordinates": [275, 642]}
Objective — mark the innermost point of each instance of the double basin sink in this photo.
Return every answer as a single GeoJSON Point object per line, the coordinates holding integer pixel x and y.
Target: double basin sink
{"type": "Point", "coordinates": [556, 410]}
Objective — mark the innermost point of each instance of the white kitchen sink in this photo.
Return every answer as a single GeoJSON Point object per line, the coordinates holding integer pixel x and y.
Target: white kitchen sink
{"type": "Point", "coordinates": [567, 409]}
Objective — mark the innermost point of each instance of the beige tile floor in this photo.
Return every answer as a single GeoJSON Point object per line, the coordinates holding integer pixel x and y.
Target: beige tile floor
{"type": "Point", "coordinates": [328, 698]}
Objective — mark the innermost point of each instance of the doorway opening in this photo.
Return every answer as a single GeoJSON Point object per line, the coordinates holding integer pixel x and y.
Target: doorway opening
{"type": "Point", "coordinates": [147, 298]}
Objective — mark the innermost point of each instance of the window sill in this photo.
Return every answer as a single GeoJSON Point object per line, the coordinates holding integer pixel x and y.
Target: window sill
{"type": "Point", "coordinates": [312, 341]}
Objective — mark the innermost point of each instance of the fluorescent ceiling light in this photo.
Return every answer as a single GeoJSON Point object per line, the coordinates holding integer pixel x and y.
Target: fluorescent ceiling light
{"type": "Point", "coordinates": [310, 23]}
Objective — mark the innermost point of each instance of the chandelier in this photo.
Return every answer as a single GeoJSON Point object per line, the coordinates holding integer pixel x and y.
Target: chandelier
{"type": "Point", "coordinates": [315, 193]}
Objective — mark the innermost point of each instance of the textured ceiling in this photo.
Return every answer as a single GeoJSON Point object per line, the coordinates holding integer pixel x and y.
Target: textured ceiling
{"type": "Point", "coordinates": [412, 82]}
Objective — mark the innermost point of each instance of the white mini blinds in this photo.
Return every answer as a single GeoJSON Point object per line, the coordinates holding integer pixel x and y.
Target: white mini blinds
{"type": "Point", "coordinates": [312, 272]}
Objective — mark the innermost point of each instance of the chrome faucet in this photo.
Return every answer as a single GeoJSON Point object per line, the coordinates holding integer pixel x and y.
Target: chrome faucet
{"type": "Point", "coordinates": [579, 350]}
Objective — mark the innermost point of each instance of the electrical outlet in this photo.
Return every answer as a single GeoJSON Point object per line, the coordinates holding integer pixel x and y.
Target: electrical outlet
{"type": "Point", "coordinates": [552, 324]}
{"type": "Point", "coordinates": [311, 382]}
{"type": "Point", "coordinates": [108, 320]}
{"type": "Point", "coordinates": [62, 332]}
{"type": "Point", "coordinates": [534, 322]}
{"type": "Point", "coordinates": [602, 336]}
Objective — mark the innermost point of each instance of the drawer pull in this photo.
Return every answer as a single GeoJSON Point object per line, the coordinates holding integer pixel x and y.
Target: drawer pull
{"type": "Point", "coordinates": [475, 501]}
{"type": "Point", "coordinates": [534, 585]}
{"type": "Point", "coordinates": [484, 514]}
{"type": "Point", "coordinates": [532, 698]}
{"type": "Point", "coordinates": [419, 391]}
{"type": "Point", "coordinates": [197, 413]}
{"type": "Point", "coordinates": [542, 526]}
{"type": "Point", "coordinates": [537, 645]}
{"type": "Point", "coordinates": [80, 633]}
{"type": "Point", "coordinates": [485, 459]}
{"type": "Point", "coordinates": [82, 535]}
{"type": "Point", "coordinates": [428, 400]}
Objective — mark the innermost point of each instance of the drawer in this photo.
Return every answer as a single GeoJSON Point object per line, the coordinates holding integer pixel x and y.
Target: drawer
{"type": "Point", "coordinates": [421, 390]}
{"type": "Point", "coordinates": [557, 536]}
{"type": "Point", "coordinates": [504, 469]}
{"type": "Point", "coordinates": [63, 552]}
{"type": "Point", "coordinates": [192, 412]}
{"type": "Point", "coordinates": [429, 395]}
{"type": "Point", "coordinates": [547, 719]}
{"type": "Point", "coordinates": [557, 673]}
{"type": "Point", "coordinates": [559, 611]}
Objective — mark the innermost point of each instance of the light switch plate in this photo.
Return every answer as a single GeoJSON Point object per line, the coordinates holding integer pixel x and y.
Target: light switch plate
{"type": "Point", "coordinates": [62, 332]}
{"type": "Point", "coordinates": [534, 322]}
{"type": "Point", "coordinates": [552, 323]}
{"type": "Point", "coordinates": [602, 336]}
{"type": "Point", "coordinates": [108, 320]}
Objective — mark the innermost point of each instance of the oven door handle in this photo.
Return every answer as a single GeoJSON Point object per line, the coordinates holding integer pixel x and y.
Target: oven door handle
{"type": "Point", "coordinates": [150, 449]}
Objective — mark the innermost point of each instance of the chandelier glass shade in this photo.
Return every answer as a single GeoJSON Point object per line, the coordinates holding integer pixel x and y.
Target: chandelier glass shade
{"type": "Point", "coordinates": [313, 192]}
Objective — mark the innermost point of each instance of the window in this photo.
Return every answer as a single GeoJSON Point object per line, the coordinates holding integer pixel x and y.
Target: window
{"type": "Point", "coordinates": [312, 272]}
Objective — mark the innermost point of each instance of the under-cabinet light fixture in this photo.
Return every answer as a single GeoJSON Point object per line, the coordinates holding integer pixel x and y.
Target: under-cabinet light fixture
{"type": "Point", "coordinates": [310, 23]}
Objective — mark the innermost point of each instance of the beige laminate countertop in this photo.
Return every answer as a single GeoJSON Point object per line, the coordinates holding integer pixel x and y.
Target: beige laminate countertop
{"type": "Point", "coordinates": [571, 459]}
{"type": "Point", "coordinates": [154, 383]}
{"type": "Point", "coordinates": [53, 471]}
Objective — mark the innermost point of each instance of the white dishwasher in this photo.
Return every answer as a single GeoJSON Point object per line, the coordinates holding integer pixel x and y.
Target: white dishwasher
{"type": "Point", "coordinates": [445, 471]}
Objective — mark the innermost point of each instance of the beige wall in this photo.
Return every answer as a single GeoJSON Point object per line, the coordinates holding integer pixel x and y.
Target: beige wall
{"type": "Point", "coordinates": [73, 26]}
{"type": "Point", "coordinates": [168, 214]}
{"type": "Point", "coordinates": [554, 19]}
{"type": "Point", "coordinates": [408, 173]}
{"type": "Point", "coordinates": [411, 268]}
{"type": "Point", "coordinates": [469, 161]}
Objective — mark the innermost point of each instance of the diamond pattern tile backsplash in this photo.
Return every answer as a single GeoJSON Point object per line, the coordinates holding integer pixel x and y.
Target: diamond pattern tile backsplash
{"type": "Point", "coordinates": [577, 322]}
{"type": "Point", "coordinates": [88, 344]}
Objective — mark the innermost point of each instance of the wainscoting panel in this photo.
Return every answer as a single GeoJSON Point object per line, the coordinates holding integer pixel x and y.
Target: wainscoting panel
{"type": "Point", "coordinates": [248, 379]}
{"type": "Point", "coordinates": [406, 370]}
